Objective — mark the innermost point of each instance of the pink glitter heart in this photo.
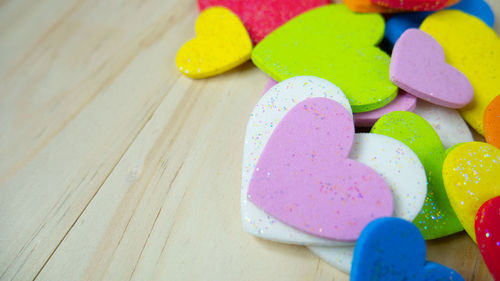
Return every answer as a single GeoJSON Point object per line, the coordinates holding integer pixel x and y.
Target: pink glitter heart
{"type": "Point", "coordinates": [304, 178]}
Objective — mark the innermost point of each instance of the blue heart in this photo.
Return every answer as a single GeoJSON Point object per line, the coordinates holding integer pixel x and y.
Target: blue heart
{"type": "Point", "coordinates": [398, 24]}
{"type": "Point", "coordinates": [436, 272]}
{"type": "Point", "coordinates": [394, 249]}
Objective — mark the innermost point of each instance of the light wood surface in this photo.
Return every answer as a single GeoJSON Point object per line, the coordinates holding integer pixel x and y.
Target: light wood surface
{"type": "Point", "coordinates": [113, 166]}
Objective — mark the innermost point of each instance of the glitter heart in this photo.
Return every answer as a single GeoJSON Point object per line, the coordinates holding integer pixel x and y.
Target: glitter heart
{"type": "Point", "coordinates": [488, 234]}
{"type": "Point", "coordinates": [413, 5]}
{"type": "Point", "coordinates": [447, 123]}
{"type": "Point", "coordinates": [402, 171]}
{"type": "Point", "coordinates": [304, 178]}
{"type": "Point", "coordinates": [333, 43]}
{"type": "Point", "coordinates": [367, 6]}
{"type": "Point", "coordinates": [437, 218]}
{"type": "Point", "coordinates": [221, 43]}
{"type": "Point", "coordinates": [262, 17]}
{"type": "Point", "coordinates": [470, 174]}
{"type": "Point", "coordinates": [267, 114]}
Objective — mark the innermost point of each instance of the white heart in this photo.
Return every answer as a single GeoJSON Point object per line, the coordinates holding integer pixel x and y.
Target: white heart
{"type": "Point", "coordinates": [447, 123]}
{"type": "Point", "coordinates": [267, 113]}
{"type": "Point", "coordinates": [403, 172]}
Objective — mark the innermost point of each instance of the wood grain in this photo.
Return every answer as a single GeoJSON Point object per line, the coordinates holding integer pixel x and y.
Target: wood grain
{"type": "Point", "coordinates": [113, 166]}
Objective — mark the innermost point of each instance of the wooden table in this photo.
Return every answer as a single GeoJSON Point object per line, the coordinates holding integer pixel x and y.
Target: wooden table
{"type": "Point", "coordinates": [114, 166]}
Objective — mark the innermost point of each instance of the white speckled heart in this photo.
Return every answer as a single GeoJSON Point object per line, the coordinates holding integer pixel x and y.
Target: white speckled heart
{"type": "Point", "coordinates": [403, 172]}
{"type": "Point", "coordinates": [447, 123]}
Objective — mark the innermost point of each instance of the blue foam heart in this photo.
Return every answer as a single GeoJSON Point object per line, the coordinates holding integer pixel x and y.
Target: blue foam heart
{"type": "Point", "coordinates": [398, 24]}
{"type": "Point", "coordinates": [394, 249]}
{"type": "Point", "coordinates": [436, 272]}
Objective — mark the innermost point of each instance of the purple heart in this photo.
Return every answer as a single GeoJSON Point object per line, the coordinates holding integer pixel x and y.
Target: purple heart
{"type": "Point", "coordinates": [418, 66]}
{"type": "Point", "coordinates": [304, 178]}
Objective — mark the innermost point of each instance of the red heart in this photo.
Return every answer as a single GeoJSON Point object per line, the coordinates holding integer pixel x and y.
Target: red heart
{"type": "Point", "coordinates": [488, 234]}
{"type": "Point", "coordinates": [261, 17]}
{"type": "Point", "coordinates": [413, 5]}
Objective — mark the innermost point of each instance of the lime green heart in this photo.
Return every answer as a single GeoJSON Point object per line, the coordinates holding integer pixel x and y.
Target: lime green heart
{"type": "Point", "coordinates": [437, 218]}
{"type": "Point", "coordinates": [333, 43]}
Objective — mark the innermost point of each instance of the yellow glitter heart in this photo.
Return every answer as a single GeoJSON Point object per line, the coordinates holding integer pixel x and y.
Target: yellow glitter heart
{"type": "Point", "coordinates": [470, 175]}
{"type": "Point", "coordinates": [221, 43]}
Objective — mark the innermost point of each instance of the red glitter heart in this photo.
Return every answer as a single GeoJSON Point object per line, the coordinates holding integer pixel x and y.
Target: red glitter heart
{"type": "Point", "coordinates": [488, 234]}
{"type": "Point", "coordinates": [261, 17]}
{"type": "Point", "coordinates": [413, 5]}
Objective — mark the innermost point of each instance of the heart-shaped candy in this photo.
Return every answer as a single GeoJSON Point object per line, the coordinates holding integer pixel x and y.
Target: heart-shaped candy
{"type": "Point", "coordinates": [403, 172]}
{"type": "Point", "coordinates": [304, 178]}
{"type": "Point", "coordinates": [437, 218]}
{"type": "Point", "coordinates": [403, 102]}
{"type": "Point", "coordinates": [470, 174]}
{"type": "Point", "coordinates": [394, 249]}
{"type": "Point", "coordinates": [492, 122]}
{"type": "Point", "coordinates": [488, 234]}
{"type": "Point", "coordinates": [333, 43]}
{"type": "Point", "coordinates": [447, 123]}
{"type": "Point", "coordinates": [267, 114]}
{"type": "Point", "coordinates": [398, 24]}
{"type": "Point", "coordinates": [221, 43]}
{"type": "Point", "coordinates": [418, 67]}
{"type": "Point", "coordinates": [261, 17]}
{"type": "Point", "coordinates": [474, 49]}
{"type": "Point", "coordinates": [413, 5]}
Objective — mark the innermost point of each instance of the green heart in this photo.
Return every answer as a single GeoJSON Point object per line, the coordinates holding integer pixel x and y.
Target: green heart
{"type": "Point", "coordinates": [333, 43]}
{"type": "Point", "coordinates": [437, 218]}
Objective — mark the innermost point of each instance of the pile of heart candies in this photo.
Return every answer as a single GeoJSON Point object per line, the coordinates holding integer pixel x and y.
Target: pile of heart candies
{"type": "Point", "coordinates": [365, 202]}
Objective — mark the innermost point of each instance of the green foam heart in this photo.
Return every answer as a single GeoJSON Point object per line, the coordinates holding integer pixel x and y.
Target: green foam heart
{"type": "Point", "coordinates": [437, 218]}
{"type": "Point", "coordinates": [333, 43]}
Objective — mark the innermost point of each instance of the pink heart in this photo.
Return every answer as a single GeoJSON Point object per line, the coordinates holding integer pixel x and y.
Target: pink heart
{"type": "Point", "coordinates": [271, 83]}
{"type": "Point", "coordinates": [403, 102]}
{"type": "Point", "coordinates": [418, 66]}
{"type": "Point", "coordinates": [304, 179]}
{"type": "Point", "coordinates": [261, 17]}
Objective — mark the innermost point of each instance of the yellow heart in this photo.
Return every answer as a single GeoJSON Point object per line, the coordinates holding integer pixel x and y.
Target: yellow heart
{"type": "Point", "coordinates": [221, 43]}
{"type": "Point", "coordinates": [473, 48]}
{"type": "Point", "coordinates": [471, 174]}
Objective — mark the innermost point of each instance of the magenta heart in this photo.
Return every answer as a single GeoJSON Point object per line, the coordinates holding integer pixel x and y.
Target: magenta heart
{"type": "Point", "coordinates": [304, 178]}
{"type": "Point", "coordinates": [261, 17]}
{"type": "Point", "coordinates": [418, 66]}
